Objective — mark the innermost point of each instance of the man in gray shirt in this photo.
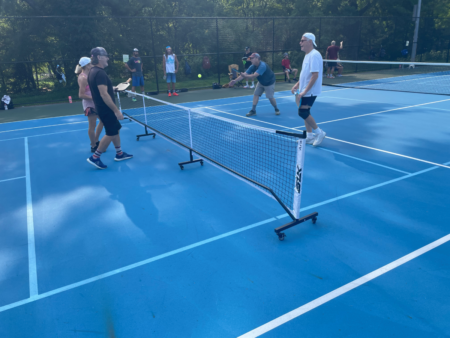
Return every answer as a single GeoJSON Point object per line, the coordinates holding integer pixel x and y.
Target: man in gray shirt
{"type": "Point", "coordinates": [135, 66]}
{"type": "Point", "coordinates": [266, 82]}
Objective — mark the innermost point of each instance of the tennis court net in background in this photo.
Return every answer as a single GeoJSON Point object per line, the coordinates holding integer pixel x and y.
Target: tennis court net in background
{"type": "Point", "coordinates": [269, 159]}
{"type": "Point", "coordinates": [414, 77]}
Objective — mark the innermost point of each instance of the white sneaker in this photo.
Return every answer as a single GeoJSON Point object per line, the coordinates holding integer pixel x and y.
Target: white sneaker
{"type": "Point", "coordinates": [331, 77]}
{"type": "Point", "coordinates": [339, 75]}
{"type": "Point", "coordinates": [319, 138]}
{"type": "Point", "coordinates": [310, 140]}
{"type": "Point", "coordinates": [252, 86]}
{"type": "Point", "coordinates": [246, 86]}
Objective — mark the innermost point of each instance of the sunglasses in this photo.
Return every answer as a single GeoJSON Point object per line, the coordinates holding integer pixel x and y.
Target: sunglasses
{"type": "Point", "coordinates": [303, 40]}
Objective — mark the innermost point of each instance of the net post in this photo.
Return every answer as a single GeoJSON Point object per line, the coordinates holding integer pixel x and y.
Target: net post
{"type": "Point", "coordinates": [191, 156]}
{"type": "Point", "coordinates": [299, 177]}
{"type": "Point", "coordinates": [190, 128]}
{"type": "Point", "coordinates": [145, 112]}
{"type": "Point", "coordinates": [145, 125]}
{"type": "Point", "coordinates": [300, 160]}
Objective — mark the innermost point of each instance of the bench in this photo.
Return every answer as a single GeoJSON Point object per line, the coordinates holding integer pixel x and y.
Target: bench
{"type": "Point", "coordinates": [282, 73]}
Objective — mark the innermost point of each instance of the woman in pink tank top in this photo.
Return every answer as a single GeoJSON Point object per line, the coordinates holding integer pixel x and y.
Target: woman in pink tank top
{"type": "Point", "coordinates": [84, 93]}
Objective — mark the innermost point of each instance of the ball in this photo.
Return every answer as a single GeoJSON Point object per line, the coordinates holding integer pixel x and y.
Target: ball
{"type": "Point", "coordinates": [199, 76]}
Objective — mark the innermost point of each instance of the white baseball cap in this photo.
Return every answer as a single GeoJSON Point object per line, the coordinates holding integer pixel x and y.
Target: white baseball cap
{"type": "Point", "coordinates": [135, 50]}
{"type": "Point", "coordinates": [84, 61]}
{"type": "Point", "coordinates": [311, 37]}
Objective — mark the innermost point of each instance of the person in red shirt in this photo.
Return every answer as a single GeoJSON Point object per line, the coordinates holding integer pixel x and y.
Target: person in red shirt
{"type": "Point", "coordinates": [286, 63]}
{"type": "Point", "coordinates": [332, 54]}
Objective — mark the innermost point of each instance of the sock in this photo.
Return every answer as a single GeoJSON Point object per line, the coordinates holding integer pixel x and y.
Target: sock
{"type": "Point", "coordinates": [246, 83]}
{"type": "Point", "coordinates": [254, 107]}
{"type": "Point", "coordinates": [317, 131]}
{"type": "Point", "coordinates": [309, 135]}
{"type": "Point", "coordinates": [253, 83]}
{"type": "Point", "coordinates": [119, 151]}
{"type": "Point", "coordinates": [97, 154]}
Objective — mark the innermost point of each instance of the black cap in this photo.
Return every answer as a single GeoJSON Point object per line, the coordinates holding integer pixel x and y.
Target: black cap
{"type": "Point", "coordinates": [98, 51]}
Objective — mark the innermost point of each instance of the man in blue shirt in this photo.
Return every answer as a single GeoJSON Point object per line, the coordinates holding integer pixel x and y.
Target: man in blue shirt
{"type": "Point", "coordinates": [266, 82]}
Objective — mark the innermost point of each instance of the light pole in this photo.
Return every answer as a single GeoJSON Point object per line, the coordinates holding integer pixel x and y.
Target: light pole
{"type": "Point", "coordinates": [416, 32]}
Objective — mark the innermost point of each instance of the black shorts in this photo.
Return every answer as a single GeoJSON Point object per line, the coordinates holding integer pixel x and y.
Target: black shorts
{"type": "Point", "coordinates": [308, 100]}
{"type": "Point", "coordinates": [331, 64]}
{"type": "Point", "coordinates": [110, 121]}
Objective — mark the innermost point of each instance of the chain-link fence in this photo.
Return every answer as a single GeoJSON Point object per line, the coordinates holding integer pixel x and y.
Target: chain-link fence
{"type": "Point", "coordinates": [38, 50]}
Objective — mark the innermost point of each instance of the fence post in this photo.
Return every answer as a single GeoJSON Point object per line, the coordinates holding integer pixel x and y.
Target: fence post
{"type": "Point", "coordinates": [37, 75]}
{"type": "Point", "coordinates": [448, 50]}
{"type": "Point", "coordinates": [273, 43]}
{"type": "Point", "coordinates": [154, 55]}
{"type": "Point", "coordinates": [320, 32]}
{"type": "Point", "coordinates": [218, 51]}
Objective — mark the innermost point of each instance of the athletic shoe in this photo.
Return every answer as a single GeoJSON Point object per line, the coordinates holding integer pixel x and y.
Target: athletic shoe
{"type": "Point", "coordinates": [123, 157]}
{"type": "Point", "coordinates": [170, 94]}
{"type": "Point", "coordinates": [246, 86]}
{"type": "Point", "coordinates": [290, 81]}
{"type": "Point", "coordinates": [310, 140]}
{"type": "Point", "coordinates": [96, 162]}
{"type": "Point", "coordinates": [133, 99]}
{"type": "Point", "coordinates": [319, 138]}
{"type": "Point", "coordinates": [252, 86]}
{"type": "Point", "coordinates": [175, 94]}
{"type": "Point", "coordinates": [339, 75]}
{"type": "Point", "coordinates": [277, 112]}
{"type": "Point", "coordinates": [331, 77]}
{"type": "Point", "coordinates": [251, 113]}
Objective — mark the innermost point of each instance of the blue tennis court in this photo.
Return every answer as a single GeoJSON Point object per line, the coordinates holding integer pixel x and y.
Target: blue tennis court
{"type": "Point", "coordinates": [144, 249]}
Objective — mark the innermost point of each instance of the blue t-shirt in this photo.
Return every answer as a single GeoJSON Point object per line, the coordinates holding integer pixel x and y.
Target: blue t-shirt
{"type": "Point", "coordinates": [266, 76]}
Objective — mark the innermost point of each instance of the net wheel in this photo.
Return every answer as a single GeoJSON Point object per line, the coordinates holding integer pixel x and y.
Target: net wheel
{"type": "Point", "coordinates": [314, 220]}
{"type": "Point", "coordinates": [154, 135]}
{"type": "Point", "coordinates": [137, 138]}
{"type": "Point", "coordinates": [181, 167]}
{"type": "Point", "coordinates": [281, 236]}
{"type": "Point", "coordinates": [201, 162]}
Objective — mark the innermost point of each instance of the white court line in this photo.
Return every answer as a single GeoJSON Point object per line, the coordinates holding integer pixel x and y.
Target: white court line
{"type": "Point", "coordinates": [343, 289]}
{"type": "Point", "coordinates": [212, 239]}
{"type": "Point", "coordinates": [12, 179]}
{"type": "Point", "coordinates": [345, 98]}
{"type": "Point", "coordinates": [59, 132]}
{"type": "Point", "coordinates": [32, 270]}
{"type": "Point", "coordinates": [360, 159]}
{"type": "Point", "coordinates": [384, 111]}
{"type": "Point", "coordinates": [249, 118]}
{"type": "Point", "coordinates": [54, 125]}
{"type": "Point", "coordinates": [389, 152]}
{"type": "Point", "coordinates": [44, 118]}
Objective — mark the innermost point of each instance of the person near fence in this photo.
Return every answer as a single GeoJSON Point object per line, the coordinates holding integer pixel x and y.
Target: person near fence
{"type": "Point", "coordinates": [266, 82]}
{"type": "Point", "coordinates": [287, 69]}
{"type": "Point", "coordinates": [84, 93]}
{"type": "Point", "coordinates": [136, 67]}
{"type": "Point", "coordinates": [105, 105]}
{"type": "Point", "coordinates": [170, 68]}
{"type": "Point", "coordinates": [247, 65]}
{"type": "Point", "coordinates": [332, 54]}
{"type": "Point", "coordinates": [309, 87]}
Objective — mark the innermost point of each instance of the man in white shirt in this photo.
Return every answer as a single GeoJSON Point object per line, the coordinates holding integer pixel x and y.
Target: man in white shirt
{"type": "Point", "coordinates": [309, 87]}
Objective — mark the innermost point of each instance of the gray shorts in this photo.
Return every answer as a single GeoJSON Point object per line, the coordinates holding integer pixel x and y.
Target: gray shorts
{"type": "Point", "coordinates": [269, 90]}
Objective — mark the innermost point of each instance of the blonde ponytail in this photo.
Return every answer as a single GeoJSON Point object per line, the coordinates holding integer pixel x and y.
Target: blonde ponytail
{"type": "Point", "coordinates": [78, 70]}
